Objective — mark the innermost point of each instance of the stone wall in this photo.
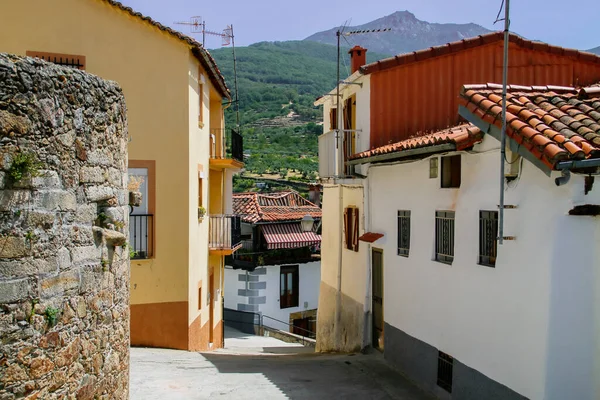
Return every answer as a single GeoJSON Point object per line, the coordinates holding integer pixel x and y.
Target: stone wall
{"type": "Point", "coordinates": [64, 261]}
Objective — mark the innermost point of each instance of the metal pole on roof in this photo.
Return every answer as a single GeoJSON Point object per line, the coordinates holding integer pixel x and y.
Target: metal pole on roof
{"type": "Point", "coordinates": [237, 99]}
{"type": "Point", "coordinates": [503, 132]}
{"type": "Point", "coordinates": [338, 114]}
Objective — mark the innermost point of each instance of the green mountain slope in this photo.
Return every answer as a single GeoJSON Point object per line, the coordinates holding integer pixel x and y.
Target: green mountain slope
{"type": "Point", "coordinates": [278, 83]}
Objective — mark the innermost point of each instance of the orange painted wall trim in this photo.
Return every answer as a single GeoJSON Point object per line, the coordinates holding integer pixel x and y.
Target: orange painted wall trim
{"type": "Point", "coordinates": [160, 325]}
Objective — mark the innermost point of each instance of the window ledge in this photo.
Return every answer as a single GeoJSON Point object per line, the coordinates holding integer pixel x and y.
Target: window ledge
{"type": "Point", "coordinates": [403, 255]}
{"type": "Point", "coordinates": [487, 265]}
{"type": "Point", "coordinates": [443, 262]}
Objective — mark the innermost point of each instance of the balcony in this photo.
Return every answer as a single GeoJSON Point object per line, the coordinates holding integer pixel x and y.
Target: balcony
{"type": "Point", "coordinates": [248, 258]}
{"type": "Point", "coordinates": [226, 149]}
{"type": "Point", "coordinates": [327, 151]}
{"type": "Point", "coordinates": [141, 236]}
{"type": "Point", "coordinates": [224, 234]}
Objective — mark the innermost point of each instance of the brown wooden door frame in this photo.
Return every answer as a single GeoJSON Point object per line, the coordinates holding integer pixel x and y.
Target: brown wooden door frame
{"type": "Point", "coordinates": [377, 299]}
{"type": "Point", "coordinates": [211, 306]}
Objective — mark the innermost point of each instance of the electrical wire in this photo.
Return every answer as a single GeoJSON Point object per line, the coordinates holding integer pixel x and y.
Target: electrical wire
{"type": "Point", "coordinates": [498, 19]}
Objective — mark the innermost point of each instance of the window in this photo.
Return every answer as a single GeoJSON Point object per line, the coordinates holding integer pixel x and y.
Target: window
{"type": "Point", "coordinates": [451, 171]}
{"type": "Point", "coordinates": [288, 286]}
{"type": "Point", "coordinates": [444, 371]}
{"type": "Point", "coordinates": [403, 233]}
{"type": "Point", "coordinates": [433, 168]}
{"type": "Point", "coordinates": [444, 236]}
{"type": "Point", "coordinates": [199, 297]}
{"type": "Point", "coordinates": [351, 228]}
{"type": "Point", "coordinates": [141, 219]}
{"type": "Point", "coordinates": [488, 233]}
{"type": "Point", "coordinates": [333, 119]}
{"type": "Point", "coordinates": [67, 60]}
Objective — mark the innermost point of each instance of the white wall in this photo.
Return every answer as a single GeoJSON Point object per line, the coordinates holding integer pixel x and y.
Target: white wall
{"type": "Point", "coordinates": [309, 277]}
{"type": "Point", "coordinates": [495, 320]}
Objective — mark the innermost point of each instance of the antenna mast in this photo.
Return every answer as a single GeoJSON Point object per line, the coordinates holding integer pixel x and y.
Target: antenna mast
{"type": "Point", "coordinates": [503, 132]}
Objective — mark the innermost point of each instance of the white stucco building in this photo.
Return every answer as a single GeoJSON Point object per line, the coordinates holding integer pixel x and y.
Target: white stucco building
{"type": "Point", "coordinates": [411, 261]}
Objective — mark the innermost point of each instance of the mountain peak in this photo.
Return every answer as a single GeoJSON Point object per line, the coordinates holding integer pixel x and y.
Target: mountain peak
{"type": "Point", "coordinates": [408, 33]}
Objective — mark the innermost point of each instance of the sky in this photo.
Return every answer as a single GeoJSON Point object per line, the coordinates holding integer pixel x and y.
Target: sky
{"type": "Point", "coordinates": [572, 23]}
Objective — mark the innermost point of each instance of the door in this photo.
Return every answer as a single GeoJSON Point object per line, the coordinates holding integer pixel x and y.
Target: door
{"type": "Point", "coordinates": [211, 306]}
{"type": "Point", "coordinates": [377, 297]}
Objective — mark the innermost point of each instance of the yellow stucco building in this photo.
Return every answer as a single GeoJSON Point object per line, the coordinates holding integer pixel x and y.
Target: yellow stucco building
{"type": "Point", "coordinates": [175, 97]}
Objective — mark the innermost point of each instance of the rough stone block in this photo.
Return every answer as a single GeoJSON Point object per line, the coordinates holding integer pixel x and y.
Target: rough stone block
{"type": "Point", "coordinates": [14, 290]}
{"type": "Point", "coordinates": [91, 175]}
{"type": "Point", "coordinates": [10, 123]}
{"type": "Point", "coordinates": [86, 255]}
{"type": "Point", "coordinates": [63, 258]}
{"type": "Point", "coordinates": [247, 293]}
{"type": "Point", "coordinates": [86, 213]}
{"type": "Point", "coordinates": [100, 157]}
{"type": "Point", "coordinates": [46, 180]}
{"type": "Point", "coordinates": [2, 180]}
{"type": "Point", "coordinates": [13, 247]}
{"type": "Point", "coordinates": [99, 193]}
{"type": "Point", "coordinates": [67, 139]}
{"type": "Point", "coordinates": [56, 200]}
{"type": "Point", "coordinates": [10, 199]}
{"type": "Point", "coordinates": [37, 219]}
{"type": "Point", "coordinates": [249, 278]}
{"type": "Point", "coordinates": [116, 177]}
{"type": "Point", "coordinates": [91, 279]}
{"type": "Point", "coordinates": [64, 283]}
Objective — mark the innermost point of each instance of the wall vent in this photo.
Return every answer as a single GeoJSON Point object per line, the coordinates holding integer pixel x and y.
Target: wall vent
{"type": "Point", "coordinates": [444, 371]}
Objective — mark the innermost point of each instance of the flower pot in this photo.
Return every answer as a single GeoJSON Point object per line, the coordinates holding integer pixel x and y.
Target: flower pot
{"type": "Point", "coordinates": [135, 199]}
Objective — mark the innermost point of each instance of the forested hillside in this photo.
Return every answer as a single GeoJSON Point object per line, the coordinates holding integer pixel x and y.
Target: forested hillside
{"type": "Point", "coordinates": [278, 83]}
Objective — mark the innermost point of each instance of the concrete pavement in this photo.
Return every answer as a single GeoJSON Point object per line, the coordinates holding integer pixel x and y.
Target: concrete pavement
{"type": "Point", "coordinates": [252, 367]}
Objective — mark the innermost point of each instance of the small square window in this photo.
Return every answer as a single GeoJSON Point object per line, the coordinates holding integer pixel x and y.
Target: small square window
{"type": "Point", "coordinates": [451, 171]}
{"type": "Point", "coordinates": [433, 168]}
{"type": "Point", "coordinates": [403, 233]}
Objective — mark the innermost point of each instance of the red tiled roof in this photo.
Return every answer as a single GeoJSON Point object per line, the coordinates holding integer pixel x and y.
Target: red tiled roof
{"type": "Point", "coordinates": [554, 123]}
{"type": "Point", "coordinates": [207, 61]}
{"type": "Point", "coordinates": [469, 43]}
{"type": "Point", "coordinates": [272, 207]}
{"type": "Point", "coordinates": [463, 136]}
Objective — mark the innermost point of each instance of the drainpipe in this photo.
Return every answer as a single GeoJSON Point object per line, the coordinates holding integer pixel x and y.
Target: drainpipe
{"type": "Point", "coordinates": [338, 297]}
{"type": "Point", "coordinates": [503, 132]}
{"type": "Point", "coordinates": [366, 307]}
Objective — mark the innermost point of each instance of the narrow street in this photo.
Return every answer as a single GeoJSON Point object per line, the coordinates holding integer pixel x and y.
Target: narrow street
{"type": "Point", "coordinates": [253, 367]}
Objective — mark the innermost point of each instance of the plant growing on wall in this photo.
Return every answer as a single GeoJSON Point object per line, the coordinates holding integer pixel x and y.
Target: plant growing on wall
{"type": "Point", "coordinates": [201, 213]}
{"type": "Point", "coordinates": [24, 165]}
{"type": "Point", "coordinates": [133, 185]}
{"type": "Point", "coordinates": [52, 315]}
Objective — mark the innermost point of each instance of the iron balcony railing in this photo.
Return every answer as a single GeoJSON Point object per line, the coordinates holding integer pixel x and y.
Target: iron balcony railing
{"type": "Point", "coordinates": [226, 143]}
{"type": "Point", "coordinates": [224, 232]}
{"type": "Point", "coordinates": [328, 148]}
{"type": "Point", "coordinates": [141, 235]}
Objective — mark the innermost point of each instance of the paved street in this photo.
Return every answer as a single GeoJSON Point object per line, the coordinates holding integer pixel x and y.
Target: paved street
{"type": "Point", "coordinates": [252, 367]}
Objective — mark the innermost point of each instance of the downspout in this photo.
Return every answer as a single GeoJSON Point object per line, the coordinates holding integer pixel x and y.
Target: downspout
{"type": "Point", "coordinates": [366, 307]}
{"type": "Point", "coordinates": [338, 297]}
{"type": "Point", "coordinates": [503, 132]}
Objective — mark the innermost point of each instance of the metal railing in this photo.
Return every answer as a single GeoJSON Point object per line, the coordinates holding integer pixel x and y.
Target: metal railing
{"type": "Point", "coordinates": [226, 143]}
{"type": "Point", "coordinates": [224, 232]}
{"type": "Point", "coordinates": [306, 334]}
{"type": "Point", "coordinates": [141, 235]}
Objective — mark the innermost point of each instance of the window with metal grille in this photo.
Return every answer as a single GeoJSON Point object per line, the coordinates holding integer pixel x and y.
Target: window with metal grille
{"type": "Point", "coordinates": [488, 233]}
{"type": "Point", "coordinates": [444, 236]}
{"type": "Point", "coordinates": [444, 371]}
{"type": "Point", "coordinates": [351, 228]}
{"type": "Point", "coordinates": [289, 286]}
{"type": "Point", "coordinates": [451, 171]}
{"type": "Point", "coordinates": [68, 60]}
{"type": "Point", "coordinates": [403, 233]}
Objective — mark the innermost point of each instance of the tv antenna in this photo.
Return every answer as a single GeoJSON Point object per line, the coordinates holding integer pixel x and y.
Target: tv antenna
{"type": "Point", "coordinates": [198, 25]}
{"type": "Point", "coordinates": [339, 137]}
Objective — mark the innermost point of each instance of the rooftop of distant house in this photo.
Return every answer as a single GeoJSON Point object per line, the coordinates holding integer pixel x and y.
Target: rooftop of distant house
{"type": "Point", "coordinates": [281, 206]}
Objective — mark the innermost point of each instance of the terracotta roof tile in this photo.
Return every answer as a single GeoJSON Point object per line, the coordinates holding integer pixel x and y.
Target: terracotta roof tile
{"type": "Point", "coordinates": [207, 61]}
{"type": "Point", "coordinates": [463, 136]}
{"type": "Point", "coordinates": [273, 207]}
{"type": "Point", "coordinates": [481, 40]}
{"type": "Point", "coordinates": [555, 123]}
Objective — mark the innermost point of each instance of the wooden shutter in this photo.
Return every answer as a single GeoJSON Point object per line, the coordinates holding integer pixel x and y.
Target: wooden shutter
{"type": "Point", "coordinates": [347, 212]}
{"type": "Point", "coordinates": [355, 229]}
{"type": "Point", "coordinates": [333, 119]}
